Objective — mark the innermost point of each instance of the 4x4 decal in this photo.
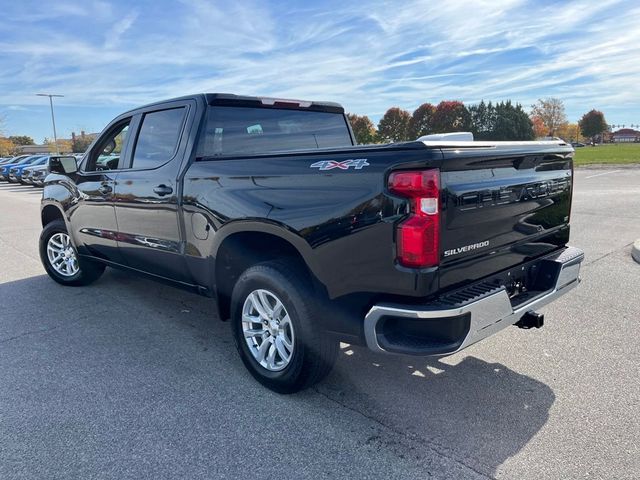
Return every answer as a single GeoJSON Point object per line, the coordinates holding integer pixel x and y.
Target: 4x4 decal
{"type": "Point", "coordinates": [357, 163]}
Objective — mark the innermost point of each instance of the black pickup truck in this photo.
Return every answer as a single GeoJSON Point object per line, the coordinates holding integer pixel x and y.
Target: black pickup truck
{"type": "Point", "coordinates": [306, 239]}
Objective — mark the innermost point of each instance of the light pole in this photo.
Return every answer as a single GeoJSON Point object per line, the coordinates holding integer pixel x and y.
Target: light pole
{"type": "Point", "coordinates": [53, 119]}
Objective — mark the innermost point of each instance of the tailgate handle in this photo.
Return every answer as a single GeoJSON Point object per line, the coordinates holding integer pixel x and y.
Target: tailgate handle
{"type": "Point", "coordinates": [163, 190]}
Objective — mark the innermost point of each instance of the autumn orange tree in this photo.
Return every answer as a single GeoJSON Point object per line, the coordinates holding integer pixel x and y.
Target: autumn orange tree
{"type": "Point", "coordinates": [570, 132]}
{"type": "Point", "coordinates": [421, 122]}
{"type": "Point", "coordinates": [451, 116]}
{"type": "Point", "coordinates": [539, 128]}
{"type": "Point", "coordinates": [363, 128]}
{"type": "Point", "coordinates": [551, 112]}
{"type": "Point", "coordinates": [64, 146]}
{"type": "Point", "coordinates": [7, 147]}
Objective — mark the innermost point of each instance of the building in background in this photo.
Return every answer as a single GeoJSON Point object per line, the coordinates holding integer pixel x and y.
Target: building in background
{"type": "Point", "coordinates": [32, 149]}
{"type": "Point", "coordinates": [625, 135]}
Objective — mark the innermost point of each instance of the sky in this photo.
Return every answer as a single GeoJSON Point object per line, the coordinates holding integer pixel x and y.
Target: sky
{"type": "Point", "coordinates": [369, 55]}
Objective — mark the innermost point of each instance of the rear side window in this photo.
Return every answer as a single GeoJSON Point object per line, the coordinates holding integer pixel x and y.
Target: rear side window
{"type": "Point", "coordinates": [158, 138]}
{"type": "Point", "coordinates": [248, 131]}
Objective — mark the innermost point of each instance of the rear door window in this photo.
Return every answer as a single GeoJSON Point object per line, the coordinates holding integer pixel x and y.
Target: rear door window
{"type": "Point", "coordinates": [159, 136]}
{"type": "Point", "coordinates": [246, 130]}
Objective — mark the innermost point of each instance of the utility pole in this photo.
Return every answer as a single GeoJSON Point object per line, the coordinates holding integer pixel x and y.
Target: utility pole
{"type": "Point", "coordinates": [53, 118]}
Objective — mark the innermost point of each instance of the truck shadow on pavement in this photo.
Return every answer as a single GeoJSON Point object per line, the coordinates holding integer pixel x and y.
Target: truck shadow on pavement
{"type": "Point", "coordinates": [464, 410]}
{"type": "Point", "coordinates": [478, 412]}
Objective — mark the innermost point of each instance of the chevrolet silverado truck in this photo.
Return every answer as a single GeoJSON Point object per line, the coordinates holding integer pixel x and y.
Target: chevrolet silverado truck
{"type": "Point", "coordinates": [305, 239]}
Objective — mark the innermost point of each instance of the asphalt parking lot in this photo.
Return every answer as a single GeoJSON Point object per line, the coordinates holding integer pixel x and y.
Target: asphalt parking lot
{"type": "Point", "coordinates": [131, 379]}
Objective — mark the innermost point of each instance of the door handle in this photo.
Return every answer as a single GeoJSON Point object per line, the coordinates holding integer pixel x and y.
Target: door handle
{"type": "Point", "coordinates": [163, 190]}
{"type": "Point", "coordinates": [104, 189]}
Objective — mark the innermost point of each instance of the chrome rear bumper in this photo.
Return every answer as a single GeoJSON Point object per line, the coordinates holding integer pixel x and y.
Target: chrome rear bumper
{"type": "Point", "coordinates": [476, 319]}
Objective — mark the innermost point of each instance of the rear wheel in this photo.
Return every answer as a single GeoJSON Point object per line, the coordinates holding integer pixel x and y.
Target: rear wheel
{"type": "Point", "coordinates": [61, 260]}
{"type": "Point", "coordinates": [275, 322]}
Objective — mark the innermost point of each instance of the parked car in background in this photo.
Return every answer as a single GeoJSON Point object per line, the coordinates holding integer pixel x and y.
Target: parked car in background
{"type": "Point", "coordinates": [578, 144]}
{"type": "Point", "coordinates": [21, 160]}
{"type": "Point", "coordinates": [7, 160]}
{"type": "Point", "coordinates": [35, 175]}
{"type": "Point", "coordinates": [15, 173]}
{"type": "Point", "coordinates": [26, 176]}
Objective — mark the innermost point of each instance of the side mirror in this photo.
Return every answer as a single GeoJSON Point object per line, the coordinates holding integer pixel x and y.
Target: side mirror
{"type": "Point", "coordinates": [65, 165]}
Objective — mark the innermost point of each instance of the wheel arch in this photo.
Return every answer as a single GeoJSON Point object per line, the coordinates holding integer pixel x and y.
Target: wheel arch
{"type": "Point", "coordinates": [49, 213]}
{"type": "Point", "coordinates": [248, 245]}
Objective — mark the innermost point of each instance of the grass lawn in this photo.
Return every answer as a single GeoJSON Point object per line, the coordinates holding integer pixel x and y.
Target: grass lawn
{"type": "Point", "coordinates": [608, 154]}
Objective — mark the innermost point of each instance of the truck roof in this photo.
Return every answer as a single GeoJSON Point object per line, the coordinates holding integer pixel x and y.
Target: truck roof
{"type": "Point", "coordinates": [232, 100]}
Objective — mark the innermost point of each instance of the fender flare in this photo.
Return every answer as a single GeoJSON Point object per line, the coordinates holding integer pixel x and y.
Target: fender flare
{"type": "Point", "coordinates": [272, 228]}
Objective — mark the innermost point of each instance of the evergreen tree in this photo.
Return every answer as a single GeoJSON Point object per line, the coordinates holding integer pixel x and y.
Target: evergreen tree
{"type": "Point", "coordinates": [504, 121]}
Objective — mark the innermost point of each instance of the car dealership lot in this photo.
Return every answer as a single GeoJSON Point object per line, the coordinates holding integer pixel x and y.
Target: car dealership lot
{"type": "Point", "coordinates": [131, 379]}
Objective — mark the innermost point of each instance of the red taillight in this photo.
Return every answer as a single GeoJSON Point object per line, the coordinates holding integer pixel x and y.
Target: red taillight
{"type": "Point", "coordinates": [418, 237]}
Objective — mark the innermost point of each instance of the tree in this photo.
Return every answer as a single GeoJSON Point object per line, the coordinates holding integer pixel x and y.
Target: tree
{"type": "Point", "coordinates": [539, 128]}
{"type": "Point", "coordinates": [421, 121]}
{"type": "Point", "coordinates": [362, 127]}
{"type": "Point", "coordinates": [504, 121]}
{"type": "Point", "coordinates": [592, 124]}
{"type": "Point", "coordinates": [394, 125]}
{"type": "Point", "coordinates": [512, 123]}
{"type": "Point", "coordinates": [482, 120]}
{"type": "Point", "coordinates": [21, 140]}
{"type": "Point", "coordinates": [64, 146]}
{"type": "Point", "coordinates": [451, 116]}
{"type": "Point", "coordinates": [551, 112]}
{"type": "Point", "coordinates": [570, 132]}
{"type": "Point", "coordinates": [7, 147]}
{"type": "Point", "coordinates": [80, 143]}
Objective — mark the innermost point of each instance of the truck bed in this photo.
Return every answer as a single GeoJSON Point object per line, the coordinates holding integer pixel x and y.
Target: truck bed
{"type": "Point", "coordinates": [347, 217]}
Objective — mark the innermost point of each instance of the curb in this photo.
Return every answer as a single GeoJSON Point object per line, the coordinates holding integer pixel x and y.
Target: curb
{"type": "Point", "coordinates": [607, 166]}
{"type": "Point", "coordinates": [635, 251]}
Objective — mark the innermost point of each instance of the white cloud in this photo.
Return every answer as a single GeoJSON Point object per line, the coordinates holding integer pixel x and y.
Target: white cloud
{"type": "Point", "coordinates": [119, 28]}
{"type": "Point", "coordinates": [369, 56]}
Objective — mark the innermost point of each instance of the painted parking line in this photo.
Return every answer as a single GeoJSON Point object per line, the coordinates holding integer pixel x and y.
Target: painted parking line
{"type": "Point", "coordinates": [604, 173]}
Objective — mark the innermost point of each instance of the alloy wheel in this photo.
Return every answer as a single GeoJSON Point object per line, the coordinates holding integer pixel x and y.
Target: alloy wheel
{"type": "Point", "coordinates": [62, 256]}
{"type": "Point", "coordinates": [268, 330]}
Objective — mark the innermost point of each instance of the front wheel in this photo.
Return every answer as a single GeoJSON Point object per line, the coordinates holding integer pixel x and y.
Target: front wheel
{"type": "Point", "coordinates": [60, 258]}
{"type": "Point", "coordinates": [277, 330]}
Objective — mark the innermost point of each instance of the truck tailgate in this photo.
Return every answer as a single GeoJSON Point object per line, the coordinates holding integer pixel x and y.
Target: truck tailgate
{"type": "Point", "coordinates": [500, 210]}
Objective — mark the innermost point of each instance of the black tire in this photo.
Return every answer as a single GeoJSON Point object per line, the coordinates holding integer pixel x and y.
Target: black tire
{"type": "Point", "coordinates": [314, 351]}
{"type": "Point", "coordinates": [88, 271]}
